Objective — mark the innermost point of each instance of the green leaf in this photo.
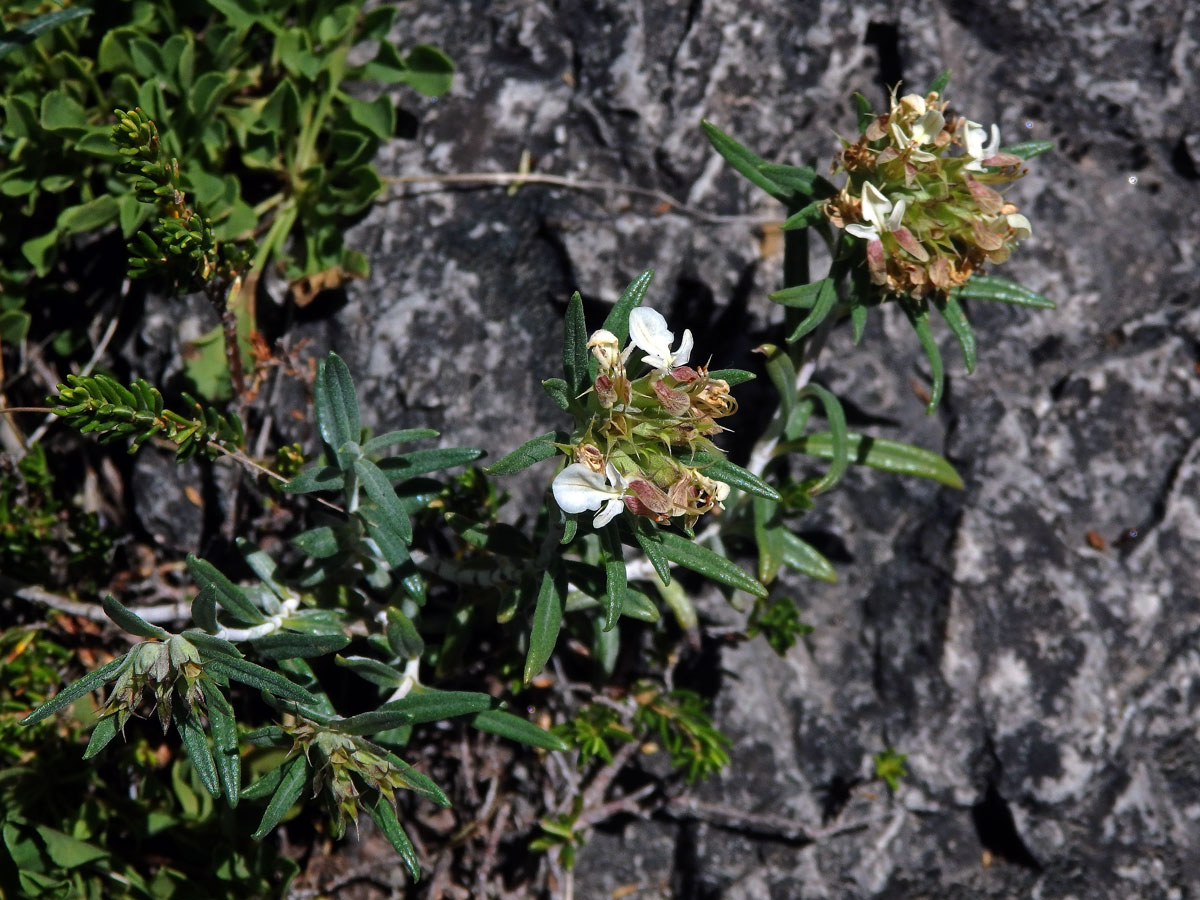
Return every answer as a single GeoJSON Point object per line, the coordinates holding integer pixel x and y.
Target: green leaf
{"type": "Point", "coordinates": [612, 555]}
{"type": "Point", "coordinates": [732, 377]}
{"type": "Point", "coordinates": [617, 320]}
{"type": "Point", "coordinates": [131, 622]}
{"type": "Point", "coordinates": [295, 774]}
{"type": "Point", "coordinates": [196, 744]}
{"type": "Point", "coordinates": [987, 287]}
{"type": "Point", "coordinates": [837, 429]}
{"type": "Point", "coordinates": [415, 781]}
{"type": "Point", "coordinates": [391, 438]}
{"type": "Point", "coordinates": [506, 725]}
{"type": "Point", "coordinates": [823, 304]}
{"type": "Point", "coordinates": [559, 392]}
{"type": "Point", "coordinates": [372, 722]}
{"type": "Point", "coordinates": [389, 511]}
{"type": "Point", "coordinates": [805, 216]}
{"type": "Point", "coordinates": [402, 635]}
{"type": "Point", "coordinates": [291, 645]}
{"type": "Point", "coordinates": [232, 598]}
{"type": "Point", "coordinates": [736, 477]}
{"type": "Point", "coordinates": [257, 677]}
{"type": "Point", "coordinates": [863, 113]}
{"type": "Point", "coordinates": [858, 321]}
{"type": "Point", "coordinates": [24, 34]}
{"type": "Point", "coordinates": [40, 251]}
{"type": "Point", "coordinates": [225, 741]}
{"type": "Point", "coordinates": [768, 535]}
{"type": "Point", "coordinates": [532, 451]}
{"type": "Point", "coordinates": [211, 645]}
{"type": "Point", "coordinates": [1029, 149]}
{"type": "Point", "coordinates": [801, 296]}
{"type": "Point", "coordinates": [938, 86]}
{"type": "Point", "coordinates": [315, 478]}
{"type": "Point", "coordinates": [73, 692]}
{"type": "Point", "coordinates": [428, 705]}
{"type": "Point", "coordinates": [67, 851]}
{"type": "Point", "coordinates": [575, 351]}
{"type": "Point", "coordinates": [429, 70]}
{"type": "Point", "coordinates": [377, 116]}
{"type": "Point", "coordinates": [547, 620]}
{"type": "Point", "coordinates": [744, 161]}
{"type": "Point", "coordinates": [782, 373]}
{"type": "Point", "coordinates": [650, 540]}
{"type": "Point", "coordinates": [266, 785]}
{"type": "Point", "coordinates": [804, 558]}
{"type": "Point", "coordinates": [384, 817]}
{"type": "Point", "coordinates": [960, 327]}
{"type": "Point", "coordinates": [918, 317]}
{"type": "Point", "coordinates": [372, 670]}
{"type": "Point", "coordinates": [105, 731]}
{"type": "Point", "coordinates": [802, 181]}
{"type": "Point", "coordinates": [62, 114]}
{"type": "Point", "coordinates": [418, 462]}
{"type": "Point", "coordinates": [336, 403]}
{"type": "Point", "coordinates": [703, 561]}
{"type": "Point", "coordinates": [882, 454]}
{"type": "Point", "coordinates": [89, 216]}
{"type": "Point", "coordinates": [638, 606]}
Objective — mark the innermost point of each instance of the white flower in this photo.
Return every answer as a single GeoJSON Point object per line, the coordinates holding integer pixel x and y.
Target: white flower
{"type": "Point", "coordinates": [972, 135]}
{"type": "Point", "coordinates": [1020, 226]}
{"type": "Point", "coordinates": [880, 213]}
{"type": "Point", "coordinates": [648, 332]}
{"type": "Point", "coordinates": [577, 488]}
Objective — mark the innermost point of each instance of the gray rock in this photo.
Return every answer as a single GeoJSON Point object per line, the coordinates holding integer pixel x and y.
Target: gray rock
{"type": "Point", "coordinates": [1044, 690]}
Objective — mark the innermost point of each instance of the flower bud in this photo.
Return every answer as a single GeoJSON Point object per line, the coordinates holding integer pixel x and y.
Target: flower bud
{"type": "Point", "coordinates": [606, 348]}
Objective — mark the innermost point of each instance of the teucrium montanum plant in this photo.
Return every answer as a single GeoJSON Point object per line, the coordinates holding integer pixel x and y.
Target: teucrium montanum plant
{"type": "Point", "coordinates": [400, 564]}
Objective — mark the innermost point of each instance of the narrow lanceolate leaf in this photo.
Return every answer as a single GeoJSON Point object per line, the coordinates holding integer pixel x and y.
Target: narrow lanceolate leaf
{"type": "Point", "coordinates": [506, 725]}
{"type": "Point", "coordinates": [384, 817]}
{"type": "Point", "coordinates": [650, 541]}
{"type": "Point", "coordinates": [559, 392]}
{"type": "Point", "coordinates": [266, 785]}
{"type": "Point", "coordinates": [882, 454]}
{"type": "Point", "coordinates": [210, 644]}
{"type": "Point", "coordinates": [838, 435]}
{"type": "Point", "coordinates": [131, 622]}
{"type": "Point", "coordinates": [918, 317]}
{"type": "Point", "coordinates": [389, 512]}
{"type": "Point", "coordinates": [801, 296]}
{"type": "Point", "coordinates": [196, 744]}
{"type": "Point", "coordinates": [224, 592]}
{"type": "Point", "coordinates": [822, 306]}
{"type": "Point", "coordinates": [257, 677]}
{"type": "Point", "coordinates": [858, 322]}
{"type": "Point", "coordinates": [745, 162]}
{"type": "Point", "coordinates": [1029, 149]}
{"type": "Point", "coordinates": [433, 706]}
{"type": "Point", "coordinates": [805, 216]}
{"type": "Point", "coordinates": [612, 555]}
{"type": "Point", "coordinates": [938, 85]}
{"type": "Point", "coordinates": [804, 558]}
{"type": "Point", "coordinates": [25, 33]}
{"type": "Point", "coordinates": [703, 561]}
{"type": "Point", "coordinates": [988, 287]}
{"type": "Point", "coordinates": [547, 620]}
{"type": "Point", "coordinates": [295, 774]}
{"type": "Point", "coordinates": [102, 734]}
{"type": "Point", "coordinates": [372, 670]}
{"type": "Point", "coordinates": [373, 722]}
{"type": "Point", "coordinates": [768, 535]}
{"type": "Point", "coordinates": [418, 462]}
{"type": "Point", "coordinates": [742, 479]}
{"type": "Point", "coordinates": [402, 635]}
{"type": "Point", "coordinates": [316, 478]}
{"type": "Point", "coordinates": [617, 320]}
{"type": "Point", "coordinates": [732, 377]}
{"type": "Point", "coordinates": [293, 645]}
{"type": "Point", "coordinates": [803, 181]}
{"type": "Point", "coordinates": [863, 112]}
{"type": "Point", "coordinates": [336, 403]}
{"type": "Point", "coordinates": [416, 782]}
{"type": "Point", "coordinates": [782, 373]}
{"type": "Point", "coordinates": [639, 606]}
{"type": "Point", "coordinates": [73, 692]}
{"type": "Point", "coordinates": [960, 327]}
{"type": "Point", "coordinates": [392, 438]}
{"type": "Point", "coordinates": [530, 452]}
{"type": "Point", "coordinates": [575, 351]}
{"type": "Point", "coordinates": [225, 741]}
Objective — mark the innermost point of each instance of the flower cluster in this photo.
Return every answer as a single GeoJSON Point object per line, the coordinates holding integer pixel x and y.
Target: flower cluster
{"type": "Point", "coordinates": [623, 453]}
{"type": "Point", "coordinates": [920, 193]}
{"type": "Point", "coordinates": [168, 669]}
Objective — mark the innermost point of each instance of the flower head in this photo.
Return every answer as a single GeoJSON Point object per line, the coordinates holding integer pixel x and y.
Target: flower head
{"type": "Point", "coordinates": [648, 331]}
{"type": "Point", "coordinates": [578, 488]}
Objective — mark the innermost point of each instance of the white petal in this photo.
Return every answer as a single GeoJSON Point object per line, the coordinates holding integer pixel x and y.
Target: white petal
{"type": "Point", "coordinates": [875, 205]}
{"type": "Point", "coordinates": [915, 102]}
{"type": "Point", "coordinates": [993, 144]}
{"type": "Point", "coordinates": [611, 509]}
{"type": "Point", "coordinates": [615, 478]}
{"type": "Point", "coordinates": [866, 232]}
{"type": "Point", "coordinates": [685, 349]}
{"type": "Point", "coordinates": [925, 129]}
{"type": "Point", "coordinates": [577, 488]}
{"type": "Point", "coordinates": [648, 329]}
{"type": "Point", "coordinates": [1020, 225]}
{"type": "Point", "coordinates": [893, 221]}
